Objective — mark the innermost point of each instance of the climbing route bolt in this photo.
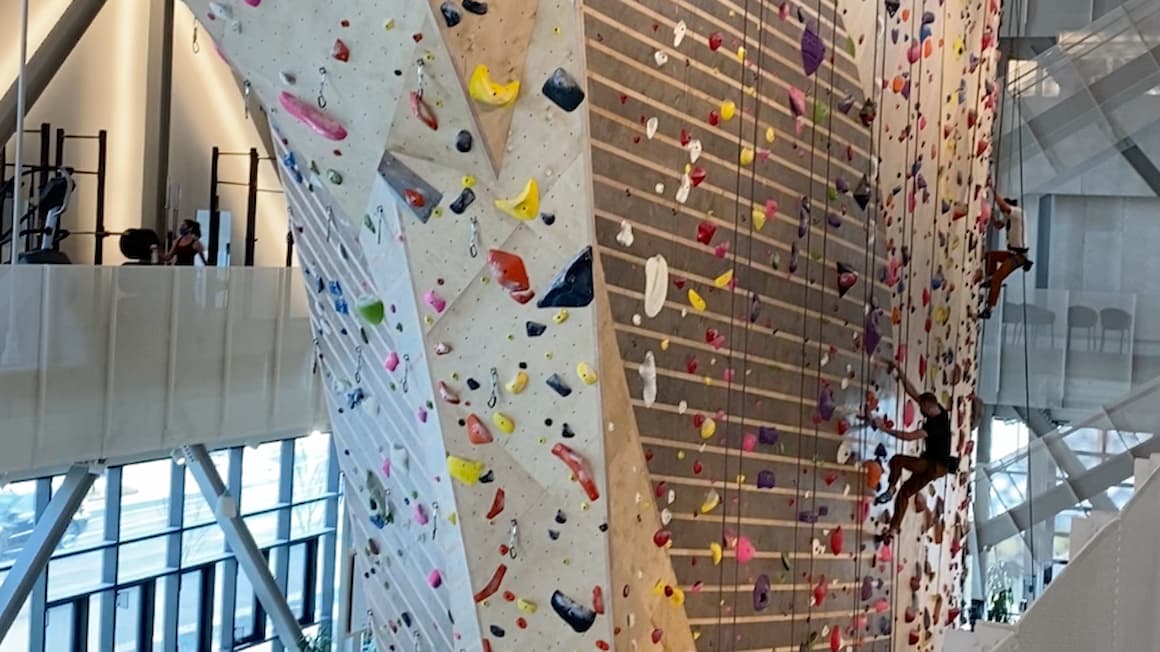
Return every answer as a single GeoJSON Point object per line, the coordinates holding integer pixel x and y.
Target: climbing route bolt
{"type": "Point", "coordinates": [513, 538]}
{"type": "Point", "coordinates": [322, 88]}
{"type": "Point", "coordinates": [473, 244]}
{"type": "Point", "coordinates": [246, 89]}
{"type": "Point", "coordinates": [494, 398]}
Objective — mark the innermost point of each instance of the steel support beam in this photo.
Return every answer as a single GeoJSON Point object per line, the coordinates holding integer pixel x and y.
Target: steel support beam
{"type": "Point", "coordinates": [33, 559]}
{"type": "Point", "coordinates": [245, 550]}
{"type": "Point", "coordinates": [1042, 427]}
{"type": "Point", "coordinates": [47, 59]}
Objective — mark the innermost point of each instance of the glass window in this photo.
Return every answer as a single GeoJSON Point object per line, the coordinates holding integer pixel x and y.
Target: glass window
{"type": "Point", "coordinates": [96, 627]}
{"type": "Point", "coordinates": [307, 519]}
{"type": "Point", "coordinates": [127, 620]}
{"type": "Point", "coordinates": [160, 586]}
{"type": "Point", "coordinates": [141, 559]}
{"type": "Point", "coordinates": [296, 583]}
{"type": "Point", "coordinates": [197, 511]}
{"type": "Point", "coordinates": [17, 518]}
{"type": "Point", "coordinates": [311, 465]}
{"type": "Point", "coordinates": [264, 527]}
{"type": "Point", "coordinates": [75, 575]}
{"type": "Point", "coordinates": [189, 612]}
{"type": "Point", "coordinates": [87, 528]}
{"type": "Point", "coordinates": [145, 492]}
{"type": "Point", "coordinates": [245, 611]}
{"type": "Point", "coordinates": [58, 627]}
{"type": "Point", "coordinates": [201, 544]}
{"type": "Point", "coordinates": [17, 639]}
{"type": "Point", "coordinates": [261, 471]}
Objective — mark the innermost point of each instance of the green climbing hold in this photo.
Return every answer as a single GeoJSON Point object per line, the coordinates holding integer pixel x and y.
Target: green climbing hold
{"type": "Point", "coordinates": [370, 309]}
{"type": "Point", "coordinates": [334, 176]}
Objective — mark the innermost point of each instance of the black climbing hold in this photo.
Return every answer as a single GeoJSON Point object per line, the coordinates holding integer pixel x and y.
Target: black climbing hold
{"type": "Point", "coordinates": [562, 89]}
{"type": "Point", "coordinates": [523, 365]}
{"type": "Point", "coordinates": [464, 141]}
{"type": "Point", "coordinates": [880, 451]}
{"type": "Point", "coordinates": [560, 517]}
{"type": "Point", "coordinates": [472, 384]}
{"type": "Point", "coordinates": [557, 383]}
{"type": "Point", "coordinates": [553, 534]}
{"type": "Point", "coordinates": [320, 285]}
{"type": "Point", "coordinates": [892, 6]}
{"type": "Point", "coordinates": [497, 631]}
{"type": "Point", "coordinates": [535, 328]}
{"type": "Point", "coordinates": [862, 193]}
{"type": "Point", "coordinates": [406, 616]}
{"type": "Point", "coordinates": [461, 202]}
{"type": "Point", "coordinates": [450, 14]}
{"type": "Point", "coordinates": [548, 218]}
{"type": "Point", "coordinates": [475, 7]}
{"type": "Point", "coordinates": [823, 510]}
{"type": "Point", "coordinates": [761, 593]}
{"type": "Point", "coordinates": [487, 477]}
{"type": "Point", "coordinates": [579, 617]}
{"type": "Point", "coordinates": [603, 527]}
{"type": "Point", "coordinates": [846, 104]}
{"type": "Point", "coordinates": [363, 332]}
{"type": "Point", "coordinates": [572, 286]}
{"type": "Point", "coordinates": [566, 432]}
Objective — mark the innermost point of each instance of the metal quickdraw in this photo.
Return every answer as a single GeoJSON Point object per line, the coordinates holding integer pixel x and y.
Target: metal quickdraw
{"type": "Point", "coordinates": [322, 88]}
{"type": "Point", "coordinates": [473, 244]}
{"type": "Point", "coordinates": [196, 46]}
{"type": "Point", "coordinates": [358, 364]}
{"type": "Point", "coordinates": [406, 370]}
{"type": "Point", "coordinates": [380, 212]}
{"type": "Point", "coordinates": [494, 398]}
{"type": "Point", "coordinates": [419, 107]}
{"type": "Point", "coordinates": [513, 539]}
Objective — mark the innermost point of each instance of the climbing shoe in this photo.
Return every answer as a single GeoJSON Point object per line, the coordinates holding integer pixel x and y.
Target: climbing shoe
{"type": "Point", "coordinates": [1027, 265]}
{"type": "Point", "coordinates": [985, 314]}
{"type": "Point", "coordinates": [884, 497]}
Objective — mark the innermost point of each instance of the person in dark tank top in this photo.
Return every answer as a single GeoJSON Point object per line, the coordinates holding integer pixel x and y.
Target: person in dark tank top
{"type": "Point", "coordinates": [935, 462]}
{"type": "Point", "coordinates": [187, 248]}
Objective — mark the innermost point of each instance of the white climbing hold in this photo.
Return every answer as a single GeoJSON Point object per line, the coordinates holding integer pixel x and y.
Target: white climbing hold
{"type": "Point", "coordinates": [659, 188]}
{"type": "Point", "coordinates": [844, 453]}
{"type": "Point", "coordinates": [661, 58]}
{"type": "Point", "coordinates": [679, 31]}
{"type": "Point", "coordinates": [818, 548]}
{"type": "Point", "coordinates": [666, 516]}
{"type": "Point", "coordinates": [636, 319]}
{"type": "Point", "coordinates": [648, 376]}
{"type": "Point", "coordinates": [682, 407]}
{"type": "Point", "coordinates": [683, 191]}
{"type": "Point", "coordinates": [695, 148]}
{"type": "Point", "coordinates": [656, 284]}
{"type": "Point", "coordinates": [625, 237]}
{"type": "Point", "coordinates": [650, 127]}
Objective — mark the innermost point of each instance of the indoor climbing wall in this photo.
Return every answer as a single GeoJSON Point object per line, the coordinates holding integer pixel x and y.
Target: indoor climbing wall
{"type": "Point", "coordinates": [743, 264]}
{"type": "Point", "coordinates": [933, 67]}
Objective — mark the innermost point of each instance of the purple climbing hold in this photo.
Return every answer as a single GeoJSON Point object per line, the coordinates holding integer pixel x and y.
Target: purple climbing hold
{"type": "Point", "coordinates": [871, 333]}
{"type": "Point", "coordinates": [841, 185]}
{"type": "Point", "coordinates": [579, 617]}
{"type": "Point", "coordinates": [768, 435]}
{"type": "Point", "coordinates": [833, 220]}
{"type": "Point", "coordinates": [765, 479]}
{"type": "Point", "coordinates": [761, 593]}
{"type": "Point", "coordinates": [847, 277]}
{"type": "Point", "coordinates": [572, 286]}
{"type": "Point", "coordinates": [807, 517]}
{"type": "Point", "coordinates": [813, 50]}
{"type": "Point", "coordinates": [867, 588]}
{"type": "Point", "coordinates": [826, 405]}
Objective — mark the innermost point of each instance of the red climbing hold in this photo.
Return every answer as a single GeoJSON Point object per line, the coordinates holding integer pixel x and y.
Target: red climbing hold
{"type": "Point", "coordinates": [697, 175]}
{"type": "Point", "coordinates": [497, 504]}
{"type": "Point", "coordinates": [477, 433]}
{"type": "Point", "coordinates": [598, 600]}
{"type": "Point", "coordinates": [705, 232]}
{"type": "Point", "coordinates": [657, 635]}
{"type": "Point", "coordinates": [661, 538]}
{"type": "Point", "coordinates": [579, 469]}
{"type": "Point", "coordinates": [715, 41]}
{"type": "Point", "coordinates": [340, 51]}
{"type": "Point", "coordinates": [492, 585]}
{"type": "Point", "coordinates": [820, 591]}
{"type": "Point", "coordinates": [686, 137]}
{"type": "Point", "coordinates": [414, 198]}
{"type": "Point", "coordinates": [836, 541]}
{"type": "Point", "coordinates": [508, 270]}
{"type": "Point", "coordinates": [714, 119]}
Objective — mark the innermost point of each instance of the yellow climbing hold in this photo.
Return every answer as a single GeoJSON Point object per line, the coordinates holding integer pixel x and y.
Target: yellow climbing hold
{"type": "Point", "coordinates": [712, 499]}
{"type": "Point", "coordinates": [708, 428]}
{"type": "Point", "coordinates": [485, 91]}
{"type": "Point", "coordinates": [728, 110]}
{"type": "Point", "coordinates": [770, 135]}
{"type": "Point", "coordinates": [524, 206]}
{"type": "Point", "coordinates": [587, 373]}
{"type": "Point", "coordinates": [465, 471]}
{"type": "Point", "coordinates": [468, 181]}
{"type": "Point", "coordinates": [677, 597]}
{"type": "Point", "coordinates": [747, 156]}
{"type": "Point", "coordinates": [717, 552]}
{"type": "Point", "coordinates": [518, 383]}
{"type": "Point", "coordinates": [681, 455]}
{"type": "Point", "coordinates": [724, 279]}
{"type": "Point", "coordinates": [659, 587]}
{"type": "Point", "coordinates": [741, 53]}
{"type": "Point", "coordinates": [696, 301]}
{"type": "Point", "coordinates": [503, 422]}
{"type": "Point", "coordinates": [526, 605]}
{"type": "Point", "coordinates": [560, 317]}
{"type": "Point", "coordinates": [665, 344]}
{"type": "Point", "coordinates": [453, 518]}
{"type": "Point", "coordinates": [759, 218]}
{"type": "Point", "coordinates": [389, 25]}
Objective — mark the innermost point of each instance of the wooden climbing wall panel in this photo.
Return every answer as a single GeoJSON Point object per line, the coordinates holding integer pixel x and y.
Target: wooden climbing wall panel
{"type": "Point", "coordinates": [735, 456]}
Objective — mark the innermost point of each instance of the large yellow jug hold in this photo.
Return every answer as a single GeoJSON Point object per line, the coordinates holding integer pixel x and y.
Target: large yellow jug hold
{"type": "Point", "coordinates": [485, 91]}
{"type": "Point", "coordinates": [728, 110]}
{"type": "Point", "coordinates": [524, 206]}
{"type": "Point", "coordinates": [746, 157]}
{"type": "Point", "coordinates": [465, 471]}
{"type": "Point", "coordinates": [696, 301]}
{"type": "Point", "coordinates": [708, 428]}
{"type": "Point", "coordinates": [717, 552]}
{"type": "Point", "coordinates": [759, 218]}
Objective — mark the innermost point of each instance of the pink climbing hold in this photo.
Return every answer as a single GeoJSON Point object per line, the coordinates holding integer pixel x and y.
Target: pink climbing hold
{"type": "Point", "coordinates": [882, 606]}
{"type": "Point", "coordinates": [435, 579]}
{"type": "Point", "coordinates": [908, 414]}
{"type": "Point", "coordinates": [420, 514]}
{"type": "Point", "coordinates": [253, 3]}
{"type": "Point", "coordinates": [821, 590]}
{"type": "Point", "coordinates": [886, 555]}
{"type": "Point", "coordinates": [437, 303]}
{"type": "Point", "coordinates": [749, 442]}
{"type": "Point", "coordinates": [392, 361]}
{"type": "Point", "coordinates": [311, 116]}
{"type": "Point", "coordinates": [745, 550]}
{"type": "Point", "coordinates": [836, 541]}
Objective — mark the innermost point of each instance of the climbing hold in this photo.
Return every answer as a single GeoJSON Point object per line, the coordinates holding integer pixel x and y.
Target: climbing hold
{"type": "Point", "coordinates": [821, 589]}
{"type": "Point", "coordinates": [728, 110]}
{"type": "Point", "coordinates": [435, 579]}
{"type": "Point", "coordinates": [797, 101]}
{"type": "Point", "coordinates": [340, 51]}
{"type": "Point", "coordinates": [526, 606]}
{"type": "Point", "coordinates": [334, 177]}
{"type": "Point", "coordinates": [650, 128]}
{"type": "Point", "coordinates": [724, 279]}
{"type": "Point", "coordinates": [572, 285]}
{"type": "Point", "coordinates": [710, 502]}
{"type": "Point", "coordinates": [485, 91]}
{"type": "Point", "coordinates": [744, 550]}
{"type": "Point", "coordinates": [716, 552]}
{"type": "Point", "coordinates": [436, 302]}
{"type": "Point", "coordinates": [463, 470]}
{"type": "Point", "coordinates": [847, 277]}
{"type": "Point", "coordinates": [507, 269]}
{"type": "Point", "coordinates": [560, 317]}
{"type": "Point", "coordinates": [505, 423]}
{"type": "Point", "coordinates": [696, 301]}
{"type": "Point", "coordinates": [656, 284]}
{"type": "Point", "coordinates": [534, 329]}
{"type": "Point", "coordinates": [370, 308]}
{"type": "Point", "coordinates": [862, 193]}
{"type": "Point", "coordinates": [451, 15]}
{"type": "Point", "coordinates": [836, 541]}
{"type": "Point", "coordinates": [313, 117]}
{"type": "Point", "coordinates": [447, 394]}
{"type": "Point", "coordinates": [477, 433]}
{"type": "Point", "coordinates": [579, 617]}
{"type": "Point", "coordinates": [518, 382]}
{"type": "Point", "coordinates": [579, 469]}
{"type": "Point", "coordinates": [648, 377]}
{"type": "Point", "coordinates": [563, 90]}
{"type": "Point", "coordinates": [765, 479]}
{"type": "Point", "coordinates": [524, 206]}
{"type": "Point", "coordinates": [868, 113]}
{"type": "Point", "coordinates": [391, 362]}
{"type": "Point", "coordinates": [475, 6]}
{"type": "Point", "coordinates": [715, 41]}
{"type": "Point", "coordinates": [761, 593]}
{"type": "Point", "coordinates": [560, 387]}
{"type": "Point", "coordinates": [625, 236]}
{"type": "Point", "coordinates": [463, 141]}
{"type": "Point", "coordinates": [492, 585]}
{"type": "Point", "coordinates": [708, 428]}
{"type": "Point", "coordinates": [586, 373]}
{"type": "Point", "coordinates": [465, 199]}
{"type": "Point", "coordinates": [813, 50]}
{"type": "Point", "coordinates": [746, 157]}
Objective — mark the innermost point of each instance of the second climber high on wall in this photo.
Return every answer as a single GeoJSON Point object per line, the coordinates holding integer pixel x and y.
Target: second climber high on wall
{"type": "Point", "coordinates": [1000, 264]}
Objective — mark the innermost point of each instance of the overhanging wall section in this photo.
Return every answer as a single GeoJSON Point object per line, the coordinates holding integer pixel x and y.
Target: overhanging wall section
{"type": "Point", "coordinates": [774, 331]}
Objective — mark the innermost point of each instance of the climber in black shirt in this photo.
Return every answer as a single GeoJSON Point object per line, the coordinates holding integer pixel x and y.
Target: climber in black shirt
{"type": "Point", "coordinates": [935, 462]}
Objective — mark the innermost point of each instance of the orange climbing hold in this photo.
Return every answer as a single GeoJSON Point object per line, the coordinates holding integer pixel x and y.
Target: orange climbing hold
{"type": "Point", "coordinates": [477, 433]}
{"type": "Point", "coordinates": [579, 470]}
{"type": "Point", "coordinates": [873, 474]}
{"type": "Point", "coordinates": [492, 585]}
